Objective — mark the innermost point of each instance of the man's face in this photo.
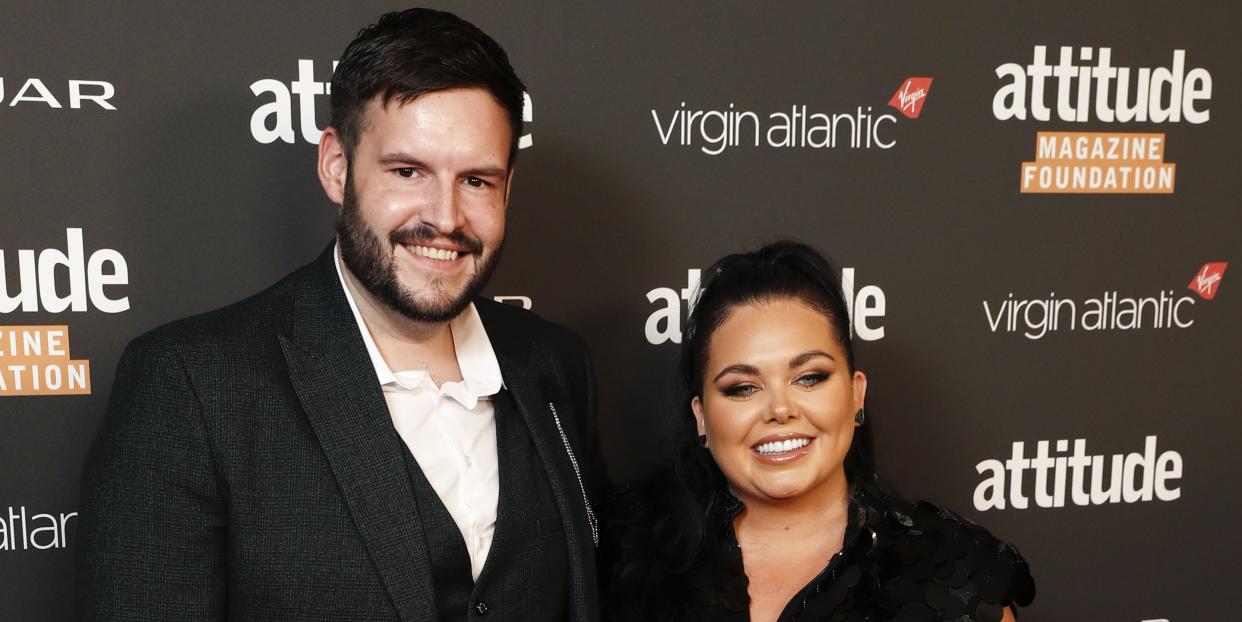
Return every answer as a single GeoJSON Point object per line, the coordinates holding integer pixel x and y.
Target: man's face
{"type": "Point", "coordinates": [422, 219]}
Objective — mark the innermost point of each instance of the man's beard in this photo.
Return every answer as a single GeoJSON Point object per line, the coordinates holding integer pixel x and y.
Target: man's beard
{"type": "Point", "coordinates": [373, 264]}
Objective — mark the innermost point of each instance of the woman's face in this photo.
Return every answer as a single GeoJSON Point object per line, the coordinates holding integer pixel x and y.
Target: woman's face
{"type": "Point", "coordinates": [778, 402]}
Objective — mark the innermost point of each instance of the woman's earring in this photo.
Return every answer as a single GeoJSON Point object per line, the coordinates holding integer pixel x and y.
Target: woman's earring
{"type": "Point", "coordinates": [860, 417]}
{"type": "Point", "coordinates": [702, 440]}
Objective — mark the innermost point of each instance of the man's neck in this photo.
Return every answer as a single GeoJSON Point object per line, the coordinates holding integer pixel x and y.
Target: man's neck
{"type": "Point", "coordinates": [405, 344]}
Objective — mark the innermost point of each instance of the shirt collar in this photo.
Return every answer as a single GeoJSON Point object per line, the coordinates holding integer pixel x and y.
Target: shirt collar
{"type": "Point", "coordinates": [480, 370]}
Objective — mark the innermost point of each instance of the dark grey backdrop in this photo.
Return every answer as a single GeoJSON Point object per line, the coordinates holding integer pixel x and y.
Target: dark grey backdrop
{"type": "Point", "coordinates": [603, 213]}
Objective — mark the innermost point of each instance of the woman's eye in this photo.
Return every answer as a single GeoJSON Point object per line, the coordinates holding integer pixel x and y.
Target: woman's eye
{"type": "Point", "coordinates": [740, 390]}
{"type": "Point", "coordinates": [810, 380]}
{"type": "Point", "coordinates": [406, 171]}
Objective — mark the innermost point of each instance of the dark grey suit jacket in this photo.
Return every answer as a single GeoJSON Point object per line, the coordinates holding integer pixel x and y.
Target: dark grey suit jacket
{"type": "Point", "coordinates": [248, 468]}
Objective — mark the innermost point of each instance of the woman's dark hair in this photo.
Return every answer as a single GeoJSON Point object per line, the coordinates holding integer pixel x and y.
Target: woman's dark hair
{"type": "Point", "coordinates": [677, 526]}
{"type": "Point", "coordinates": [408, 53]}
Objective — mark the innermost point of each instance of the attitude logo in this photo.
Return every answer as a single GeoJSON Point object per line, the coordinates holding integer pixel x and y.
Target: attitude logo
{"type": "Point", "coordinates": [1036, 317]}
{"type": "Point", "coordinates": [715, 131]}
{"type": "Point", "coordinates": [1208, 279]}
{"type": "Point", "coordinates": [35, 360]}
{"type": "Point", "coordinates": [909, 99]}
{"type": "Point", "coordinates": [1061, 475]}
{"type": "Point", "coordinates": [88, 278]}
{"type": "Point", "coordinates": [273, 120]}
{"type": "Point", "coordinates": [1100, 162]}
{"type": "Point", "coordinates": [865, 309]}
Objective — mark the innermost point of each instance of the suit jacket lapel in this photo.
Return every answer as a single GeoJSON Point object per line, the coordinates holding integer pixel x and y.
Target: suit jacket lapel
{"type": "Point", "coordinates": [332, 375]}
{"type": "Point", "coordinates": [520, 367]}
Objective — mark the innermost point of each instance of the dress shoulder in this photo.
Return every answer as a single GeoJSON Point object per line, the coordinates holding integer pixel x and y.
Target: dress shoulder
{"type": "Point", "coordinates": [916, 561]}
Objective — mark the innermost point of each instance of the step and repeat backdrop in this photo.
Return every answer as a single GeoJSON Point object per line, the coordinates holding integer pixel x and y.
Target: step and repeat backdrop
{"type": "Point", "coordinates": [1034, 206]}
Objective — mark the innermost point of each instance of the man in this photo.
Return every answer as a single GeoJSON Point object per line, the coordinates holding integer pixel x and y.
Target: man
{"type": "Point", "coordinates": [365, 440]}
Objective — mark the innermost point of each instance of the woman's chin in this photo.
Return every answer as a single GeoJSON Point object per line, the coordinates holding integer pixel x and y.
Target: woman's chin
{"type": "Point", "coordinates": [787, 487]}
{"type": "Point", "coordinates": [784, 489]}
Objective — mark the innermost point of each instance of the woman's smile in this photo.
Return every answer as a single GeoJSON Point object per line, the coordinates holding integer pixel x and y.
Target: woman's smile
{"type": "Point", "coordinates": [780, 449]}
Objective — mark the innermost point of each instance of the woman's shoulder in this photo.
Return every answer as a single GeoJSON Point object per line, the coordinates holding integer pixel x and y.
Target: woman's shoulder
{"type": "Point", "coordinates": [927, 522]}
{"type": "Point", "coordinates": [925, 558]}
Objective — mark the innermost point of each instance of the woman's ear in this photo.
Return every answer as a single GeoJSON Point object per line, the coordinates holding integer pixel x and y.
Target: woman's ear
{"type": "Point", "coordinates": [859, 383]}
{"type": "Point", "coordinates": [696, 405]}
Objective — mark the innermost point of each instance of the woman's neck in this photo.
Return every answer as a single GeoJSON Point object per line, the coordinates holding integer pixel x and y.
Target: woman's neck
{"type": "Point", "coordinates": [813, 515]}
{"type": "Point", "coordinates": [787, 542]}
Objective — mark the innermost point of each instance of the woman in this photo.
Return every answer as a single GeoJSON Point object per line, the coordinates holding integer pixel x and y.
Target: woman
{"type": "Point", "coordinates": [771, 509]}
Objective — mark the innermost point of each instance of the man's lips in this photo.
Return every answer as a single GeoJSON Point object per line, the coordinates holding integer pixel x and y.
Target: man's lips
{"type": "Point", "coordinates": [436, 252]}
{"type": "Point", "coordinates": [427, 240]}
{"type": "Point", "coordinates": [435, 260]}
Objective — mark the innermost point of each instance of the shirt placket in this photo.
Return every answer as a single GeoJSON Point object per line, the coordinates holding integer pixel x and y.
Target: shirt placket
{"type": "Point", "coordinates": [454, 435]}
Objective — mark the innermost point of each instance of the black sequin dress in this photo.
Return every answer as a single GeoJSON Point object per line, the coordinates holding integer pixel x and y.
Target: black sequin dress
{"type": "Point", "coordinates": [900, 562]}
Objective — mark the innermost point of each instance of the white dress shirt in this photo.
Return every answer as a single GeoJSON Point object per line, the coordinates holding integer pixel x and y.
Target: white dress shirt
{"type": "Point", "coordinates": [450, 429]}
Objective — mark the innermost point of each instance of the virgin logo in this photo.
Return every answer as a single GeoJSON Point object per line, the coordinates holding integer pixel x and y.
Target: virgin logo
{"type": "Point", "coordinates": [909, 99]}
{"type": "Point", "coordinates": [1207, 281]}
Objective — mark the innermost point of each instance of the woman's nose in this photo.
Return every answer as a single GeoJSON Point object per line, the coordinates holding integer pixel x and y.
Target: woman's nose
{"type": "Point", "coordinates": [780, 407]}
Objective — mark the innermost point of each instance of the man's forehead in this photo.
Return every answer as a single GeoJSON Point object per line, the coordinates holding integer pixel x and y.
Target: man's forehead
{"type": "Point", "coordinates": [389, 127]}
{"type": "Point", "coordinates": [395, 102]}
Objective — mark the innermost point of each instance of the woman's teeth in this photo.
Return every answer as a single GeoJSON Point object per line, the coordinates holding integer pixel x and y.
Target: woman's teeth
{"type": "Point", "coordinates": [434, 253]}
{"type": "Point", "coordinates": [776, 447]}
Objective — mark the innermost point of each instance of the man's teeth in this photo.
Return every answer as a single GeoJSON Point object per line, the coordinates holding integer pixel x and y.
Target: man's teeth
{"type": "Point", "coordinates": [789, 444]}
{"type": "Point", "coordinates": [434, 253]}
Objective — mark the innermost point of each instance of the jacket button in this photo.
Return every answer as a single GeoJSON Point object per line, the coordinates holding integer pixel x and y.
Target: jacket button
{"type": "Point", "coordinates": [481, 608]}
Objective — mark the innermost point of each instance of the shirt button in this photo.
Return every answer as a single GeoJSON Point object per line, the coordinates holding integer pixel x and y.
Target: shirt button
{"type": "Point", "coordinates": [481, 608]}
{"type": "Point", "coordinates": [469, 461]}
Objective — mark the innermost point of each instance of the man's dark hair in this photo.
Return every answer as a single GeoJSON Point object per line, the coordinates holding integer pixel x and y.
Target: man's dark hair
{"type": "Point", "coordinates": [408, 53]}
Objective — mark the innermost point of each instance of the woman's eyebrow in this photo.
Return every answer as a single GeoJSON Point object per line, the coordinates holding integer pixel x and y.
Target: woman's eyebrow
{"type": "Point", "coordinates": [740, 368]}
{"type": "Point", "coordinates": [806, 356]}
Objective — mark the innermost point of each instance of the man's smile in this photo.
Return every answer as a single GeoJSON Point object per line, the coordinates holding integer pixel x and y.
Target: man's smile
{"type": "Point", "coordinates": [442, 254]}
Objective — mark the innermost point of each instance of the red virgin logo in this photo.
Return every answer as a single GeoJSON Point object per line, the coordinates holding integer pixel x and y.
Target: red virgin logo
{"type": "Point", "coordinates": [1208, 279]}
{"type": "Point", "coordinates": [909, 99]}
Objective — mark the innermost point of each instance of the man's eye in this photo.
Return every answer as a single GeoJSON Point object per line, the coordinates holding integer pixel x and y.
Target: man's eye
{"type": "Point", "coordinates": [810, 380]}
{"type": "Point", "coordinates": [740, 390]}
{"type": "Point", "coordinates": [406, 171]}
{"type": "Point", "coordinates": [475, 182]}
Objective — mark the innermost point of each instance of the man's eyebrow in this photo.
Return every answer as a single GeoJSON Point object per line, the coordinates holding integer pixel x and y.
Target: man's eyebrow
{"type": "Point", "coordinates": [486, 171]}
{"type": "Point", "coordinates": [400, 157]}
{"type": "Point", "coordinates": [739, 368]}
{"type": "Point", "coordinates": [806, 356]}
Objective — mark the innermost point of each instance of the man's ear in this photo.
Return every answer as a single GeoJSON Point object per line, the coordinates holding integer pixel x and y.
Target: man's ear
{"type": "Point", "coordinates": [333, 165]}
{"type": "Point", "coordinates": [509, 183]}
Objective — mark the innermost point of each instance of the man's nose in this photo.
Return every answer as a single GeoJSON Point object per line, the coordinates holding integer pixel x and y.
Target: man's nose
{"type": "Point", "coordinates": [444, 211]}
